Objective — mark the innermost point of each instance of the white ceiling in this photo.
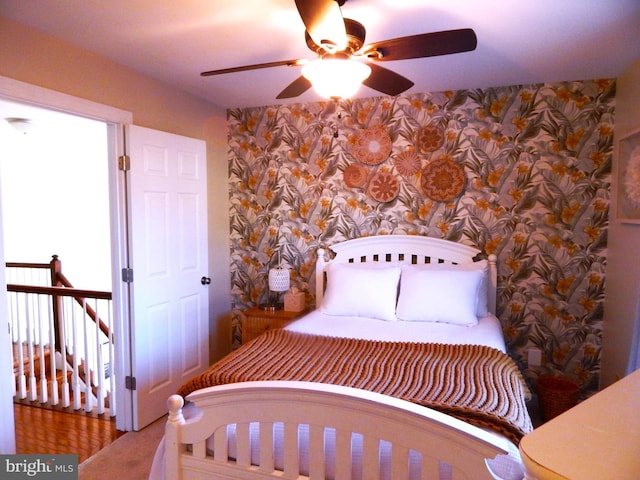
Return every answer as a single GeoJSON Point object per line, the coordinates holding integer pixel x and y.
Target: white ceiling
{"type": "Point", "coordinates": [519, 42]}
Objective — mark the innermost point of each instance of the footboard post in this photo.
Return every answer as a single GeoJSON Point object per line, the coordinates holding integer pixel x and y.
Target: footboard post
{"type": "Point", "coordinates": [172, 437]}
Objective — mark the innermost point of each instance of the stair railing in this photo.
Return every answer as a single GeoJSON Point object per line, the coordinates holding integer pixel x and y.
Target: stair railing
{"type": "Point", "coordinates": [64, 339]}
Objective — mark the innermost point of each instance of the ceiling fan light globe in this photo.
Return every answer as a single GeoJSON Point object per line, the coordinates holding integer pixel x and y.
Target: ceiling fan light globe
{"type": "Point", "coordinates": [336, 77]}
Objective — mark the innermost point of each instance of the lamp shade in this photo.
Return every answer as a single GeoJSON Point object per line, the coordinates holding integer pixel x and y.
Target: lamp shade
{"type": "Point", "coordinates": [336, 77]}
{"type": "Point", "coordinates": [279, 279]}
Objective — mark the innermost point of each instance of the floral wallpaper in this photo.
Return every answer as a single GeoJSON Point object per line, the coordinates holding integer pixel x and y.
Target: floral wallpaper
{"type": "Point", "coordinates": [522, 172]}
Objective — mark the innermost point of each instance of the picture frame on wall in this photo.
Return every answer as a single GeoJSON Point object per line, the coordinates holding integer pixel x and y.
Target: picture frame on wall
{"type": "Point", "coordinates": [628, 201]}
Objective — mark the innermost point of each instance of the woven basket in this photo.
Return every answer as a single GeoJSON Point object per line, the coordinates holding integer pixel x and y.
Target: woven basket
{"type": "Point", "coordinates": [556, 395]}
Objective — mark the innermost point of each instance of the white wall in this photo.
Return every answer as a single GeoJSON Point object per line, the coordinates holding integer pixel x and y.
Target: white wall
{"type": "Point", "coordinates": [623, 251]}
{"type": "Point", "coordinates": [56, 196]}
{"type": "Point", "coordinates": [218, 225]}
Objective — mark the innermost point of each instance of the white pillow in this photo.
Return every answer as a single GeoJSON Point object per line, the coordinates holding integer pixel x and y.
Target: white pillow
{"type": "Point", "coordinates": [448, 295]}
{"type": "Point", "coordinates": [361, 290]}
{"type": "Point", "coordinates": [481, 265]}
{"type": "Point", "coordinates": [483, 293]}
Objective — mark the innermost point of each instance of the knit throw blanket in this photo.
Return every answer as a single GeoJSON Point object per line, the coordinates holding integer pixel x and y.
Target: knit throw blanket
{"type": "Point", "coordinates": [477, 384]}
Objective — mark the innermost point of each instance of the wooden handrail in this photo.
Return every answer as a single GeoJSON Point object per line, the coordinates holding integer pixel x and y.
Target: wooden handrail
{"type": "Point", "coordinates": [27, 265]}
{"type": "Point", "coordinates": [64, 280]}
{"type": "Point", "coordinates": [61, 291]}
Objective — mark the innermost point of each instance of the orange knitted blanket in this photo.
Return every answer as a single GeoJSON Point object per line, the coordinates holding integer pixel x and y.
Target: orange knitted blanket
{"type": "Point", "coordinates": [477, 384]}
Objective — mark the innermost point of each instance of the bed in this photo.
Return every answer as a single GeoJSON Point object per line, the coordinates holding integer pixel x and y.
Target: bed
{"type": "Point", "coordinates": [400, 372]}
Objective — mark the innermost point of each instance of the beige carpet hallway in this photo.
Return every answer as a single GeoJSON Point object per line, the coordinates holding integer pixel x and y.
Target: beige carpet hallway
{"type": "Point", "coordinates": [127, 458]}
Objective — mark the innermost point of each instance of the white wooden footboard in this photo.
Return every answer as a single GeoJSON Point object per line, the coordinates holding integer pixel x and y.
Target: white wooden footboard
{"type": "Point", "coordinates": [414, 432]}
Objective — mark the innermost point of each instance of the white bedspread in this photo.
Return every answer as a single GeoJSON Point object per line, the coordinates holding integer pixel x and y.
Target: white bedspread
{"type": "Point", "coordinates": [487, 332]}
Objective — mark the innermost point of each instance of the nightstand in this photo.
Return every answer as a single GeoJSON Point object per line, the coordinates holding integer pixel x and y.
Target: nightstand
{"type": "Point", "coordinates": [256, 321]}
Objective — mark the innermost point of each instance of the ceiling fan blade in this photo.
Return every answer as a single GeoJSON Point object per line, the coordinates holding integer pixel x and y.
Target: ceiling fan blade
{"type": "Point", "coordinates": [324, 23]}
{"type": "Point", "coordinates": [423, 45]}
{"type": "Point", "coordinates": [288, 63]}
{"type": "Point", "coordinates": [385, 81]}
{"type": "Point", "coordinates": [295, 88]}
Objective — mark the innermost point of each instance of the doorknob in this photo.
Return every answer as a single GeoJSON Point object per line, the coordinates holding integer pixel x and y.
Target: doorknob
{"type": "Point", "coordinates": [205, 280]}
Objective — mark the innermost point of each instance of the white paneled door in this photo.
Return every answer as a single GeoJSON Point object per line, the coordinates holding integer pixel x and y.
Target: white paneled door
{"type": "Point", "coordinates": [169, 287]}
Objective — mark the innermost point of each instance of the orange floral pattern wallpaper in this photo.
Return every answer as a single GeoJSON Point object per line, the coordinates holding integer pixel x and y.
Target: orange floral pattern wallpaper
{"type": "Point", "coordinates": [522, 172]}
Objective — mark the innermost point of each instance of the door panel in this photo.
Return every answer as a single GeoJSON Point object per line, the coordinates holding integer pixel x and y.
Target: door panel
{"type": "Point", "coordinates": [168, 244]}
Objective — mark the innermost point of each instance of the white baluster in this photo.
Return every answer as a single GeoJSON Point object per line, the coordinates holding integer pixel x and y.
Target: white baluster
{"type": "Point", "coordinates": [33, 384]}
{"type": "Point", "coordinates": [99, 365]}
{"type": "Point", "coordinates": [63, 360]}
{"type": "Point", "coordinates": [22, 379]}
{"type": "Point", "coordinates": [112, 377]}
{"type": "Point", "coordinates": [86, 319]}
{"type": "Point", "coordinates": [43, 367]}
{"type": "Point", "coordinates": [75, 378]}
{"type": "Point", "coordinates": [52, 352]}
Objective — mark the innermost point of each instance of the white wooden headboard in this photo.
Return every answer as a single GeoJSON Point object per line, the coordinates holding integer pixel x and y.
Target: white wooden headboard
{"type": "Point", "coordinates": [410, 249]}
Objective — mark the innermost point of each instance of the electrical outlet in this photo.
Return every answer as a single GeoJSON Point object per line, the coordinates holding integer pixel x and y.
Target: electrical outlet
{"type": "Point", "coordinates": [534, 357]}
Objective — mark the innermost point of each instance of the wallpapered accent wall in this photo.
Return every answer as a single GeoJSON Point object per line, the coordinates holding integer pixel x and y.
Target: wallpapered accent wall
{"type": "Point", "coordinates": [534, 190]}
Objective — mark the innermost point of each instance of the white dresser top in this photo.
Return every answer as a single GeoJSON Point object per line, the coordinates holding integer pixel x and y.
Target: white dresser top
{"type": "Point", "coordinates": [597, 439]}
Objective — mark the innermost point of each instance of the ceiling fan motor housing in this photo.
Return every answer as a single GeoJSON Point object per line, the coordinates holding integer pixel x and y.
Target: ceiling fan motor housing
{"type": "Point", "coordinates": [356, 34]}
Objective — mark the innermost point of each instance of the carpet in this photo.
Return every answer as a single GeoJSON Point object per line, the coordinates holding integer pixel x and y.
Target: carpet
{"type": "Point", "coordinates": [127, 458]}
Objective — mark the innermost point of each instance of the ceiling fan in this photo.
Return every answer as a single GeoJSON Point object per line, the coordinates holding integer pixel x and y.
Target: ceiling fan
{"type": "Point", "coordinates": [339, 40]}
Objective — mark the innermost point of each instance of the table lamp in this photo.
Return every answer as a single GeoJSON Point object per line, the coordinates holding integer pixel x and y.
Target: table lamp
{"type": "Point", "coordinates": [278, 281]}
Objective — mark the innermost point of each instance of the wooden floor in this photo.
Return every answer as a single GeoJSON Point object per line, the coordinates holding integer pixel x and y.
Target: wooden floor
{"type": "Point", "coordinates": [41, 430]}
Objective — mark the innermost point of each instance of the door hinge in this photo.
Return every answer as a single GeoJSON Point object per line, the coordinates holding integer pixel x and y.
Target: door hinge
{"type": "Point", "coordinates": [124, 163]}
{"type": "Point", "coordinates": [130, 383]}
{"type": "Point", "coordinates": [127, 275]}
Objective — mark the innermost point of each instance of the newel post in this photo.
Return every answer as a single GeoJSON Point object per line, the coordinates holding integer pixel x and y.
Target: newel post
{"type": "Point", "coordinates": [55, 266]}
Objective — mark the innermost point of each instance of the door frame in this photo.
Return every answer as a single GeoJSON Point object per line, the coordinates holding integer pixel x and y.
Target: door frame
{"type": "Point", "coordinates": [7, 430]}
{"type": "Point", "coordinates": [116, 121]}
